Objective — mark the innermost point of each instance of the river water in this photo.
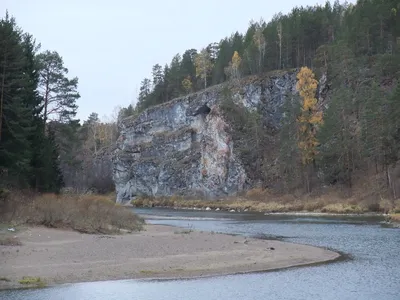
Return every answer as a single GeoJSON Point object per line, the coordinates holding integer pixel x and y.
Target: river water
{"type": "Point", "coordinates": [371, 270]}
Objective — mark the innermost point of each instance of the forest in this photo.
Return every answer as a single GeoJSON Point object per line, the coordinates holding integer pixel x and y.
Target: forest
{"type": "Point", "coordinates": [43, 146]}
{"type": "Point", "coordinates": [356, 46]}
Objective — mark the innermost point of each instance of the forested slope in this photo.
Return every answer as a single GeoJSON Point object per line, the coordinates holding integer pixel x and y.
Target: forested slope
{"type": "Point", "coordinates": [354, 50]}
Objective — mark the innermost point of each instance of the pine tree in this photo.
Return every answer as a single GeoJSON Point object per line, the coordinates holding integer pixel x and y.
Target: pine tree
{"type": "Point", "coordinates": [289, 154]}
{"type": "Point", "coordinates": [56, 180]}
{"type": "Point", "coordinates": [381, 125]}
{"type": "Point", "coordinates": [188, 67]}
{"type": "Point", "coordinates": [33, 102]}
{"type": "Point", "coordinates": [174, 78]}
{"type": "Point", "coordinates": [48, 176]}
{"type": "Point", "coordinates": [144, 93]}
{"type": "Point", "coordinates": [338, 145]}
{"type": "Point", "coordinates": [58, 92]}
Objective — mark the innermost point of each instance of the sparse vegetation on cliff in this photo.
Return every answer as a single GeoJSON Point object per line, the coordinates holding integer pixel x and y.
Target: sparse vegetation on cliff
{"type": "Point", "coordinates": [246, 128]}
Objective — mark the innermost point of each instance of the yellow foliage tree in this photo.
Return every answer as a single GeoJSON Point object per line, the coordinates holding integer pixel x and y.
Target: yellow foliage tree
{"type": "Point", "coordinates": [232, 70]}
{"type": "Point", "coordinates": [187, 84]}
{"type": "Point", "coordinates": [310, 117]}
{"type": "Point", "coordinates": [236, 60]}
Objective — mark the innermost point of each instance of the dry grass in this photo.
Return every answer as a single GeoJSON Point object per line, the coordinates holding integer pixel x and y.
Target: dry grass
{"type": "Point", "coordinates": [4, 279]}
{"type": "Point", "coordinates": [265, 201]}
{"type": "Point", "coordinates": [395, 218]}
{"type": "Point", "coordinates": [84, 213]}
{"type": "Point", "coordinates": [35, 281]}
{"type": "Point", "coordinates": [10, 241]}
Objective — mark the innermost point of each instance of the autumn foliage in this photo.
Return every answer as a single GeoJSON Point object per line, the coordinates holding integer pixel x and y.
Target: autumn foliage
{"type": "Point", "coordinates": [233, 69]}
{"type": "Point", "coordinates": [187, 84]}
{"type": "Point", "coordinates": [203, 65]}
{"type": "Point", "coordinates": [310, 117]}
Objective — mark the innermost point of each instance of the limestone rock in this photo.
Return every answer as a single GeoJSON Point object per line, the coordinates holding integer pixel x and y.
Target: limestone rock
{"type": "Point", "coordinates": [170, 150]}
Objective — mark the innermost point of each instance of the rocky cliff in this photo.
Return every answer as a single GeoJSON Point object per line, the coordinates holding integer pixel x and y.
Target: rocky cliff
{"type": "Point", "coordinates": [185, 146]}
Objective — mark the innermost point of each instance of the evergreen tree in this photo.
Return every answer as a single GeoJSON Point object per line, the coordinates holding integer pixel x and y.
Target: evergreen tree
{"type": "Point", "coordinates": [59, 93]}
{"type": "Point", "coordinates": [48, 175]}
{"type": "Point", "coordinates": [15, 115]}
{"type": "Point", "coordinates": [380, 127]}
{"type": "Point", "coordinates": [289, 154]}
{"type": "Point", "coordinates": [188, 67]}
{"type": "Point", "coordinates": [338, 147]}
{"type": "Point", "coordinates": [55, 179]}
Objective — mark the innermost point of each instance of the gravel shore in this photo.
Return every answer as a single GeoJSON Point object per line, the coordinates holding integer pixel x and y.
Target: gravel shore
{"type": "Point", "coordinates": [62, 256]}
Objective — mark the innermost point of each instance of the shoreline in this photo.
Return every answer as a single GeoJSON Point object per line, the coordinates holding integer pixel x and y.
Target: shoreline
{"type": "Point", "coordinates": [266, 213]}
{"type": "Point", "coordinates": [159, 253]}
{"type": "Point", "coordinates": [257, 206]}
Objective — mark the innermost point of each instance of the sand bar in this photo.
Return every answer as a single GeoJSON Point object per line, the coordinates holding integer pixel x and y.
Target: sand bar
{"type": "Point", "coordinates": [63, 256]}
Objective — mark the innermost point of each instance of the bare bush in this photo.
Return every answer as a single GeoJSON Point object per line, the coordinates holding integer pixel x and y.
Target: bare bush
{"type": "Point", "coordinates": [84, 213]}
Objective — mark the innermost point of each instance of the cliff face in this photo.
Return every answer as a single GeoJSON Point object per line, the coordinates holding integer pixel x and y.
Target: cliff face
{"type": "Point", "coordinates": [168, 150]}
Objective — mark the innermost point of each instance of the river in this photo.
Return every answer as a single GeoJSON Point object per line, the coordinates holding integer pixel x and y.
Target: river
{"type": "Point", "coordinates": [370, 271]}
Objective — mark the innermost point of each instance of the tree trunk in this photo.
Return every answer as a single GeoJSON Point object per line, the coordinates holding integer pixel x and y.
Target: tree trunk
{"type": "Point", "coordinates": [307, 183]}
{"type": "Point", "coordinates": [2, 95]}
{"type": "Point", "coordinates": [46, 102]}
{"type": "Point", "coordinates": [392, 185]}
{"type": "Point", "coordinates": [287, 54]}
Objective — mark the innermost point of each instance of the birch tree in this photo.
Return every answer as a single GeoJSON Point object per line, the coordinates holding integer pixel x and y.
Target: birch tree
{"type": "Point", "coordinates": [203, 65]}
{"type": "Point", "coordinates": [233, 70]}
{"type": "Point", "coordinates": [260, 42]}
{"type": "Point", "coordinates": [279, 31]}
{"type": "Point", "coordinates": [187, 84]}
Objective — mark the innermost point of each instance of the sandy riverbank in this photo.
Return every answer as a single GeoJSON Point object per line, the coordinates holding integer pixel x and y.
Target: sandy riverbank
{"type": "Point", "coordinates": [61, 256]}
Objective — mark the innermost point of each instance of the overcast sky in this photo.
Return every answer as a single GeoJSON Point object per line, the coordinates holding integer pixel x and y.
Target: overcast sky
{"type": "Point", "coordinates": [112, 45]}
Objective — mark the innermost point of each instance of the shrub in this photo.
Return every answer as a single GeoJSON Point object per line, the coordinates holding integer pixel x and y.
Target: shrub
{"type": "Point", "coordinates": [84, 213]}
{"type": "Point", "coordinates": [28, 280]}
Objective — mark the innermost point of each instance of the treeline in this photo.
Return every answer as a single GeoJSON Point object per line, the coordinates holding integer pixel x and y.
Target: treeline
{"type": "Point", "coordinates": [294, 40]}
{"type": "Point", "coordinates": [357, 136]}
{"type": "Point", "coordinates": [42, 145]}
{"type": "Point", "coordinates": [353, 133]}
{"type": "Point", "coordinates": [356, 140]}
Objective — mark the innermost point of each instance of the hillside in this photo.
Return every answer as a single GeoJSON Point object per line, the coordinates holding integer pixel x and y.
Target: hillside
{"type": "Point", "coordinates": [348, 140]}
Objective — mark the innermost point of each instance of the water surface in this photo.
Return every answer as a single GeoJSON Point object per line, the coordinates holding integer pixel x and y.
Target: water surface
{"type": "Point", "coordinates": [372, 272]}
